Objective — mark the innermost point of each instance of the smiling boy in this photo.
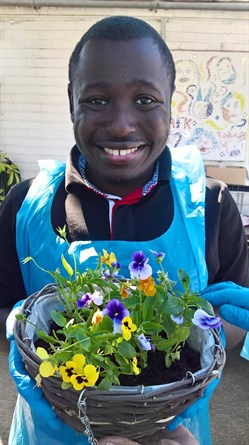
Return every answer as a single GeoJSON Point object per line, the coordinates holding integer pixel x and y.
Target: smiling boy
{"type": "Point", "coordinates": [119, 190]}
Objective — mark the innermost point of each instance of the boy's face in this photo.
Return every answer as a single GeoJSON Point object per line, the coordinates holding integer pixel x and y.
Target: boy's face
{"type": "Point", "coordinates": [121, 112]}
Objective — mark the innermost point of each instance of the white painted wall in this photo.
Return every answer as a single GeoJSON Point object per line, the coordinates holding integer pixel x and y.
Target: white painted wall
{"type": "Point", "coordinates": [35, 48]}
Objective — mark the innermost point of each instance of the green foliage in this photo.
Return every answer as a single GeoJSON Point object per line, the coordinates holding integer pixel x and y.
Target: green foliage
{"type": "Point", "coordinates": [9, 175]}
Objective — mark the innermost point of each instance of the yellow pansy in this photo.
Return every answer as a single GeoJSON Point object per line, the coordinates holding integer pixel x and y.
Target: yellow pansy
{"type": "Point", "coordinates": [135, 368]}
{"type": "Point", "coordinates": [79, 360]}
{"type": "Point", "coordinates": [128, 327]}
{"type": "Point", "coordinates": [108, 258]}
{"type": "Point", "coordinates": [72, 367]}
{"type": "Point", "coordinates": [47, 368]}
{"type": "Point", "coordinates": [88, 377]}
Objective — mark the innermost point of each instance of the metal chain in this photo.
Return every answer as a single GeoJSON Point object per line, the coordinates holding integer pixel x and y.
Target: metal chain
{"type": "Point", "coordinates": [85, 420]}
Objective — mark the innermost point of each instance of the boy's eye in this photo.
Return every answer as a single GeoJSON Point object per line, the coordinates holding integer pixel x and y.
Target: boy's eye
{"type": "Point", "coordinates": [145, 100]}
{"type": "Point", "coordinates": [97, 101]}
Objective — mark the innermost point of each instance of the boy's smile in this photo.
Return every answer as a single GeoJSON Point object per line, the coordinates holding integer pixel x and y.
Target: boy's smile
{"type": "Point", "coordinates": [120, 101]}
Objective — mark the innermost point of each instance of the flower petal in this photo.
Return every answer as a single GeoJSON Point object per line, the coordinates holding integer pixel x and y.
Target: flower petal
{"type": "Point", "coordinates": [205, 321]}
{"type": "Point", "coordinates": [47, 369]}
{"type": "Point", "coordinates": [42, 353]}
{"type": "Point", "coordinates": [79, 360]}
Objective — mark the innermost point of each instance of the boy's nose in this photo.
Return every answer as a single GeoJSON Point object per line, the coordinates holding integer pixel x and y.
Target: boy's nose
{"type": "Point", "coordinates": [121, 123]}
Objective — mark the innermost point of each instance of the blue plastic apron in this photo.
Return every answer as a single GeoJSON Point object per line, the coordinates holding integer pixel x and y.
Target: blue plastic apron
{"type": "Point", "coordinates": [245, 350]}
{"type": "Point", "coordinates": [183, 243]}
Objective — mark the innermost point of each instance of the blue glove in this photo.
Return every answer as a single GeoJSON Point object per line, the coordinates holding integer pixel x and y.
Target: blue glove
{"type": "Point", "coordinates": [24, 383]}
{"type": "Point", "coordinates": [233, 302]}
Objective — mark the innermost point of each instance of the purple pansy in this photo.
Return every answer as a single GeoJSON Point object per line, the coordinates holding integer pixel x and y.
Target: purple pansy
{"type": "Point", "coordinates": [86, 299]}
{"type": "Point", "coordinates": [159, 255]}
{"type": "Point", "coordinates": [205, 321]}
{"type": "Point", "coordinates": [145, 343]}
{"type": "Point", "coordinates": [107, 275]}
{"type": "Point", "coordinates": [116, 265]}
{"type": "Point", "coordinates": [177, 320]}
{"type": "Point", "coordinates": [116, 311]}
{"type": "Point", "coordinates": [139, 267]}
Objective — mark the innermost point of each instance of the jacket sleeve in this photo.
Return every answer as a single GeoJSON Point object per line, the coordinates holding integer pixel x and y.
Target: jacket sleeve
{"type": "Point", "coordinates": [11, 283]}
{"type": "Point", "coordinates": [226, 244]}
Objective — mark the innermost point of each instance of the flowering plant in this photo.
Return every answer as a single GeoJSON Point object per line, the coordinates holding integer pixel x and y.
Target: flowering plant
{"type": "Point", "coordinates": [109, 324]}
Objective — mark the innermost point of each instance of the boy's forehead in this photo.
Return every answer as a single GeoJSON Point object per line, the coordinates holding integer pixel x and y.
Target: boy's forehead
{"type": "Point", "coordinates": [99, 57]}
{"type": "Point", "coordinates": [119, 48]}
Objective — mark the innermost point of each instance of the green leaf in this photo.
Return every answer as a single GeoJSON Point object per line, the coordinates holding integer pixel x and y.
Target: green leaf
{"type": "Point", "coordinates": [168, 360]}
{"type": "Point", "coordinates": [173, 306]}
{"type": "Point", "coordinates": [147, 308]}
{"type": "Point", "coordinates": [47, 338]}
{"type": "Point", "coordinates": [84, 343]}
{"type": "Point", "coordinates": [65, 385]}
{"type": "Point", "coordinates": [11, 179]}
{"type": "Point", "coordinates": [180, 335]}
{"type": "Point", "coordinates": [125, 368]}
{"type": "Point", "coordinates": [163, 345]}
{"type": "Point", "coordinates": [184, 278]}
{"type": "Point", "coordinates": [107, 323]}
{"type": "Point", "coordinates": [62, 356]}
{"type": "Point", "coordinates": [105, 384]}
{"type": "Point", "coordinates": [126, 350]}
{"type": "Point", "coordinates": [66, 265]}
{"type": "Point", "coordinates": [151, 328]}
{"type": "Point", "coordinates": [58, 318]}
{"type": "Point", "coordinates": [199, 302]}
{"type": "Point", "coordinates": [20, 317]}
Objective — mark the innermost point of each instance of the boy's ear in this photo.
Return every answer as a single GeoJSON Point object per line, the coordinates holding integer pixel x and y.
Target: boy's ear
{"type": "Point", "coordinates": [70, 97]}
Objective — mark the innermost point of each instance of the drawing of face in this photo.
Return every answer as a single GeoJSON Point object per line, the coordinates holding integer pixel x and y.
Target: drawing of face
{"type": "Point", "coordinates": [231, 110]}
{"type": "Point", "coordinates": [234, 146]}
{"type": "Point", "coordinates": [204, 140]}
{"type": "Point", "coordinates": [186, 73]}
{"type": "Point", "coordinates": [226, 71]}
{"type": "Point", "coordinates": [202, 109]}
{"type": "Point", "coordinates": [205, 144]}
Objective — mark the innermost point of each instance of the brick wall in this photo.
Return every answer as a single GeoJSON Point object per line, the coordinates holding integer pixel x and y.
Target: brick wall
{"type": "Point", "coordinates": [35, 48]}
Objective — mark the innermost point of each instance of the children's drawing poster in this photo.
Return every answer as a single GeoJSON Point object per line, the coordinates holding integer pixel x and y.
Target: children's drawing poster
{"type": "Point", "coordinates": [210, 104]}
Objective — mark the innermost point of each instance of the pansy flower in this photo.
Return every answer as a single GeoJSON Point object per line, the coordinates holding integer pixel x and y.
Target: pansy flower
{"type": "Point", "coordinates": [116, 311]}
{"type": "Point", "coordinates": [67, 370]}
{"type": "Point", "coordinates": [123, 291]}
{"type": "Point", "coordinates": [205, 321]}
{"type": "Point", "coordinates": [97, 317]}
{"type": "Point", "coordinates": [135, 368]}
{"type": "Point", "coordinates": [159, 256]}
{"type": "Point", "coordinates": [148, 286]}
{"type": "Point", "coordinates": [108, 275]}
{"type": "Point", "coordinates": [108, 259]}
{"type": "Point", "coordinates": [128, 327]}
{"type": "Point", "coordinates": [47, 368]}
{"type": "Point", "coordinates": [87, 298]}
{"type": "Point", "coordinates": [88, 377]}
{"type": "Point", "coordinates": [145, 343]}
{"type": "Point", "coordinates": [177, 319]}
{"type": "Point", "coordinates": [138, 267]}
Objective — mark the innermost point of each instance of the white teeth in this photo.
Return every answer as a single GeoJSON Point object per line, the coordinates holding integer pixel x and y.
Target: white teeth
{"type": "Point", "coordinates": [120, 152]}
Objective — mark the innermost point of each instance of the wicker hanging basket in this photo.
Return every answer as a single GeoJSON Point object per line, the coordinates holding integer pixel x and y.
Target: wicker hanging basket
{"type": "Point", "coordinates": [132, 412]}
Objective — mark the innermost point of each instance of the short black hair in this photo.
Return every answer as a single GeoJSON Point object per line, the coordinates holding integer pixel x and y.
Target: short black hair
{"type": "Point", "coordinates": [120, 29]}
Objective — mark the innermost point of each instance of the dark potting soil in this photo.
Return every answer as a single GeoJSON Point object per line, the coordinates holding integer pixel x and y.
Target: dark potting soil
{"type": "Point", "coordinates": [156, 372]}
